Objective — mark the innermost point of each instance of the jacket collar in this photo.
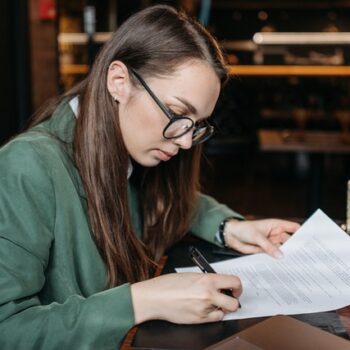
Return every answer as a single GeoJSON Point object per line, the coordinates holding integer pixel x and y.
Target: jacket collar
{"type": "Point", "coordinates": [61, 126]}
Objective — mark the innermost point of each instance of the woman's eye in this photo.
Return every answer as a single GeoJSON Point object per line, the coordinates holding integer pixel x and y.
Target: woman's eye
{"type": "Point", "coordinates": [176, 115]}
{"type": "Point", "coordinates": [201, 124]}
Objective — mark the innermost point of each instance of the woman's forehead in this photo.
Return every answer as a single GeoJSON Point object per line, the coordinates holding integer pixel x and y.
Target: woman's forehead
{"type": "Point", "coordinates": [195, 83]}
{"type": "Point", "coordinates": [188, 70]}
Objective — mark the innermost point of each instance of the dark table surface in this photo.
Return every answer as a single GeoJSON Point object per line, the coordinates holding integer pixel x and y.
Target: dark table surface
{"type": "Point", "coordinates": [165, 335]}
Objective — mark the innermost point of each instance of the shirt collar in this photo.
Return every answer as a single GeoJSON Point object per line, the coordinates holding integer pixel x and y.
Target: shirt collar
{"type": "Point", "coordinates": [74, 105]}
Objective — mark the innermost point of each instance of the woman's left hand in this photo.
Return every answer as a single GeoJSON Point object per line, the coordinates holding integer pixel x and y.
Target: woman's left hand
{"type": "Point", "coordinates": [259, 235]}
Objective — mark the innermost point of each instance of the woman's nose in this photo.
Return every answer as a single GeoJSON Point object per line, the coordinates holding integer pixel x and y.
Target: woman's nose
{"type": "Point", "coordinates": [184, 141]}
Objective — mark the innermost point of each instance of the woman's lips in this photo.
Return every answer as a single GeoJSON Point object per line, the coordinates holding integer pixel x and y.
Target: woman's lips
{"type": "Point", "coordinates": [164, 156]}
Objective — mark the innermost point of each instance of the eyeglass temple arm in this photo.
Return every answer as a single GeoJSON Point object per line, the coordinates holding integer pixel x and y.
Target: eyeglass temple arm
{"type": "Point", "coordinates": [155, 98]}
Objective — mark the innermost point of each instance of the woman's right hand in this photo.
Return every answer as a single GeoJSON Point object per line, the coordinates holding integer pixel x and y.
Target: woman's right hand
{"type": "Point", "coordinates": [185, 297]}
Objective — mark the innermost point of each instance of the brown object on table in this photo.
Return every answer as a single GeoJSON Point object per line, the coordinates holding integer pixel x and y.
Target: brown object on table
{"type": "Point", "coordinates": [344, 315]}
{"type": "Point", "coordinates": [284, 332]}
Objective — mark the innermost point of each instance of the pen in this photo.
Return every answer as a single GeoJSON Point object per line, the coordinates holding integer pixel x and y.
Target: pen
{"type": "Point", "coordinates": [205, 267]}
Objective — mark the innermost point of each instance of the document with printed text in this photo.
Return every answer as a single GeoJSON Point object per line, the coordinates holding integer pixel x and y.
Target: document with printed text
{"type": "Point", "coordinates": [313, 275]}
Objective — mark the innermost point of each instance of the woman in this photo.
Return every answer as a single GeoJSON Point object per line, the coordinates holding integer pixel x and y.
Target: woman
{"type": "Point", "coordinates": [104, 181]}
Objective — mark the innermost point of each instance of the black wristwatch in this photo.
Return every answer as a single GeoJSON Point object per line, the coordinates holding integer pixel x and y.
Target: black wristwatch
{"type": "Point", "coordinates": [222, 230]}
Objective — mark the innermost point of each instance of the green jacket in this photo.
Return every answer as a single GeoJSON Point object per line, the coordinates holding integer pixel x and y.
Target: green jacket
{"type": "Point", "coordinates": [52, 277]}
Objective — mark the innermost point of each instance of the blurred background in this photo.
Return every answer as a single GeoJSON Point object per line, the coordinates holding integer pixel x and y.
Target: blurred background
{"type": "Point", "coordinates": [284, 119]}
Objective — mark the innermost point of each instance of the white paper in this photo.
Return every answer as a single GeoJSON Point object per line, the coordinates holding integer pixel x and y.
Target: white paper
{"type": "Point", "coordinates": [313, 275]}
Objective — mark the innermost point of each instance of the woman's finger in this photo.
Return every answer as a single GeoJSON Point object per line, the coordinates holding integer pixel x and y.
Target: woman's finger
{"type": "Point", "coordinates": [225, 302]}
{"type": "Point", "coordinates": [215, 315]}
{"type": "Point", "coordinates": [279, 239]}
{"type": "Point", "coordinates": [267, 246]}
{"type": "Point", "coordinates": [245, 248]}
{"type": "Point", "coordinates": [222, 281]}
{"type": "Point", "coordinates": [285, 225]}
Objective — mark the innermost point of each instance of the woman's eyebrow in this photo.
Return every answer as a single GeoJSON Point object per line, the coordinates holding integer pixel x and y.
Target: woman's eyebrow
{"type": "Point", "coordinates": [192, 109]}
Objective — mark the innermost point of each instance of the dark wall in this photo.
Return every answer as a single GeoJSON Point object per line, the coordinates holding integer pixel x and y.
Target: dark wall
{"type": "Point", "coordinates": [14, 67]}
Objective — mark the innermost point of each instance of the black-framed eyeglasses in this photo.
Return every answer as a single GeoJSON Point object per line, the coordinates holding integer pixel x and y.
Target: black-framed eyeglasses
{"type": "Point", "coordinates": [179, 126]}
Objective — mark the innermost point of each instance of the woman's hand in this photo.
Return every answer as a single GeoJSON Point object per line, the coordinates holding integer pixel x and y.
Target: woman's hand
{"type": "Point", "coordinates": [185, 297]}
{"type": "Point", "coordinates": [259, 235]}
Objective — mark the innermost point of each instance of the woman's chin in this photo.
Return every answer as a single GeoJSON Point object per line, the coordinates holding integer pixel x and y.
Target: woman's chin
{"type": "Point", "coordinates": [147, 162]}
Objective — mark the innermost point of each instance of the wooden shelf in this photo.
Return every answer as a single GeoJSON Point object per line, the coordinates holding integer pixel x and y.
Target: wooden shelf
{"type": "Point", "coordinates": [72, 69]}
{"type": "Point", "coordinates": [82, 38]}
{"type": "Point", "coordinates": [290, 70]}
{"type": "Point", "coordinates": [310, 141]}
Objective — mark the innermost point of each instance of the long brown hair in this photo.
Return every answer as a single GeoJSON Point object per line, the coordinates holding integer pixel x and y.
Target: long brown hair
{"type": "Point", "coordinates": [152, 42]}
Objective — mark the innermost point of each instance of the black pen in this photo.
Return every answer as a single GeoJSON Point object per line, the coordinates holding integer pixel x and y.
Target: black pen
{"type": "Point", "coordinates": [205, 267]}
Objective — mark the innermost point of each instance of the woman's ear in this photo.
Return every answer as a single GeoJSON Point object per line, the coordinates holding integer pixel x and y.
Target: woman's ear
{"type": "Point", "coordinates": [118, 82]}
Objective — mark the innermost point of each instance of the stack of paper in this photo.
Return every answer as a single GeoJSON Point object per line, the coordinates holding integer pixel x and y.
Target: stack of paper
{"type": "Point", "coordinates": [313, 276]}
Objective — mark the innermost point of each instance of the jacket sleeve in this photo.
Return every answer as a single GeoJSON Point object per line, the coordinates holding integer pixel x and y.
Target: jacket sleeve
{"type": "Point", "coordinates": [27, 219]}
{"type": "Point", "coordinates": [208, 216]}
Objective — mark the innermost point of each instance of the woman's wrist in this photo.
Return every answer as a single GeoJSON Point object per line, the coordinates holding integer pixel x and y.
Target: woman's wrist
{"type": "Point", "coordinates": [223, 229]}
{"type": "Point", "coordinates": [143, 306]}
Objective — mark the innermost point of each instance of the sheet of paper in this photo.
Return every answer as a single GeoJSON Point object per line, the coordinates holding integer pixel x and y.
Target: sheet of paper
{"type": "Point", "coordinates": [313, 275]}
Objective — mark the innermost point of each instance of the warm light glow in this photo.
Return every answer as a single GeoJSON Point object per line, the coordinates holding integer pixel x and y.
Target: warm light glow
{"type": "Point", "coordinates": [301, 38]}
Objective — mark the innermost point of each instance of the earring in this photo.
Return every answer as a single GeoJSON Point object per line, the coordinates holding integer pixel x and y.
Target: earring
{"type": "Point", "coordinates": [115, 99]}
